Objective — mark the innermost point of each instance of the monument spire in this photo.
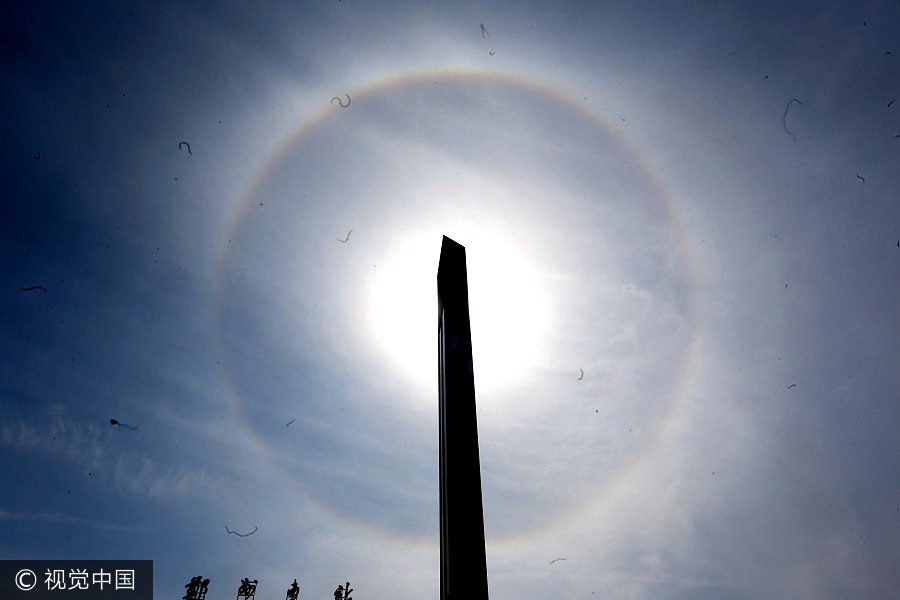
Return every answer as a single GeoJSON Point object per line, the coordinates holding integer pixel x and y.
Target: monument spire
{"type": "Point", "coordinates": [463, 563]}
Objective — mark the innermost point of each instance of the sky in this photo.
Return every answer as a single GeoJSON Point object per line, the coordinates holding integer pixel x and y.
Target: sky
{"type": "Point", "coordinates": [682, 227]}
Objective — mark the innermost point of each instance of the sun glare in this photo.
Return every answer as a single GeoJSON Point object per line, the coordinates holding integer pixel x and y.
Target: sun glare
{"type": "Point", "coordinates": [506, 308]}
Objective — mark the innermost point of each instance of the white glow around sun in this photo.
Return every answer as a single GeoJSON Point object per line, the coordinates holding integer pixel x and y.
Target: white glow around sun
{"type": "Point", "coordinates": [506, 308]}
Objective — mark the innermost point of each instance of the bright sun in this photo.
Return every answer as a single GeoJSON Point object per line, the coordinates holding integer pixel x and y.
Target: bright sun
{"type": "Point", "coordinates": [506, 308]}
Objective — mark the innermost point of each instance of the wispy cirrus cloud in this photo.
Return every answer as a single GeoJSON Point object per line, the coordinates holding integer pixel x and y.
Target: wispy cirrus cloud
{"type": "Point", "coordinates": [85, 445]}
{"type": "Point", "coordinates": [6, 515]}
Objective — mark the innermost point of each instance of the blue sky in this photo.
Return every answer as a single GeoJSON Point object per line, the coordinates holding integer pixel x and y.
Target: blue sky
{"type": "Point", "coordinates": [640, 201]}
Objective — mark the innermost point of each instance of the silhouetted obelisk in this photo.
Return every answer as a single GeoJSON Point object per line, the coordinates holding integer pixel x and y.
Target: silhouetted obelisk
{"type": "Point", "coordinates": [463, 563]}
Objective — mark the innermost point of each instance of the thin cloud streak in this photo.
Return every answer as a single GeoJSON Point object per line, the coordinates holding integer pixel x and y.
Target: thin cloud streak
{"type": "Point", "coordinates": [63, 518]}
